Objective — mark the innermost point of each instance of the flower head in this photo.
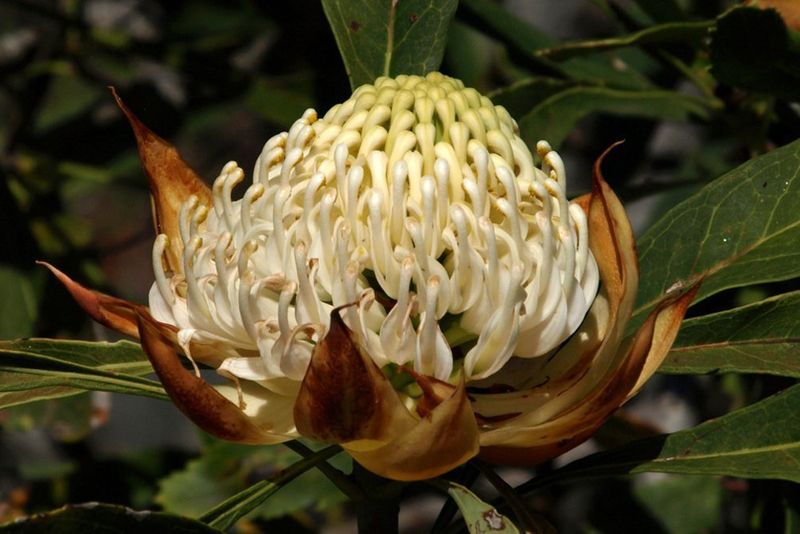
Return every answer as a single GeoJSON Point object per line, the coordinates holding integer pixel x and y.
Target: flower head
{"type": "Point", "coordinates": [401, 278]}
{"type": "Point", "coordinates": [415, 201]}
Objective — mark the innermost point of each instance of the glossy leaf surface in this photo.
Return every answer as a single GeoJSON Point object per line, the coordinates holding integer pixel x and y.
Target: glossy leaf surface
{"type": "Point", "coordinates": [479, 516]}
{"type": "Point", "coordinates": [760, 441]}
{"type": "Point", "coordinates": [763, 337]}
{"type": "Point", "coordinates": [389, 38]}
{"type": "Point", "coordinates": [742, 228]}
{"type": "Point", "coordinates": [39, 369]}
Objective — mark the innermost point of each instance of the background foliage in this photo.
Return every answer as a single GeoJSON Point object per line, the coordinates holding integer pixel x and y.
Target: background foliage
{"type": "Point", "coordinates": [704, 96]}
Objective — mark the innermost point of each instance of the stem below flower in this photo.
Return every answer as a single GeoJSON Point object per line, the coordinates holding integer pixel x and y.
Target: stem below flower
{"type": "Point", "coordinates": [378, 509]}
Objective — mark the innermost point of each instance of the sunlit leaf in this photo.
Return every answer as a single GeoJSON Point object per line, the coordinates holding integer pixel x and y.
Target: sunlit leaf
{"type": "Point", "coordinates": [37, 369]}
{"type": "Point", "coordinates": [122, 356]}
{"type": "Point", "coordinates": [389, 38]}
{"type": "Point", "coordinates": [479, 516]}
{"type": "Point", "coordinates": [763, 337]}
{"type": "Point", "coordinates": [759, 441]}
{"type": "Point", "coordinates": [104, 519]}
{"type": "Point", "coordinates": [553, 118]}
{"type": "Point", "coordinates": [741, 229]}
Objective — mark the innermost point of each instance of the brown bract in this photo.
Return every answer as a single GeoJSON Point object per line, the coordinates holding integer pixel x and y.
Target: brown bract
{"type": "Point", "coordinates": [585, 382]}
{"type": "Point", "coordinates": [200, 402]}
{"type": "Point", "coordinates": [171, 180]}
{"type": "Point", "coordinates": [345, 398]}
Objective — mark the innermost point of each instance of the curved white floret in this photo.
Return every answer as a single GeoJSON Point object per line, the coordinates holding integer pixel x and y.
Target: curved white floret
{"type": "Point", "coordinates": [415, 199]}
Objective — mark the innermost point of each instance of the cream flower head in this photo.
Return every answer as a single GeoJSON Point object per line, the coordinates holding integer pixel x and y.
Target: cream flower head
{"type": "Point", "coordinates": [416, 200]}
{"type": "Point", "coordinates": [400, 278]}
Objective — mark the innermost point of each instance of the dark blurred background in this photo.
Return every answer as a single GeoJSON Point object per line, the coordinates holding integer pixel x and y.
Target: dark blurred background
{"type": "Point", "coordinates": [217, 79]}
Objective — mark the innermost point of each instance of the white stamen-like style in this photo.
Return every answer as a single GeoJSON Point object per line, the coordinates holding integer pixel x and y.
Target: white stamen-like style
{"type": "Point", "coordinates": [416, 203]}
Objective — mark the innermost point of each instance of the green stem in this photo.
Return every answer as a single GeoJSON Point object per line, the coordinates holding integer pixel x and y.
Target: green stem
{"type": "Point", "coordinates": [378, 509]}
{"type": "Point", "coordinates": [345, 483]}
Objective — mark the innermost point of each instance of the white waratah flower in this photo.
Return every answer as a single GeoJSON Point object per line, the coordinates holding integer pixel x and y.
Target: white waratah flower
{"type": "Point", "coordinates": [400, 278]}
{"type": "Point", "coordinates": [415, 199]}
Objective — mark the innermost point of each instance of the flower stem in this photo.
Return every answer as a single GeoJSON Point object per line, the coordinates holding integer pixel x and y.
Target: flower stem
{"type": "Point", "coordinates": [378, 509]}
{"type": "Point", "coordinates": [345, 483]}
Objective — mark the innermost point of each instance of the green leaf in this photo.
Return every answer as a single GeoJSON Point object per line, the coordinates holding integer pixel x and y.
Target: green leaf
{"type": "Point", "coordinates": [741, 229]}
{"type": "Point", "coordinates": [38, 369]}
{"type": "Point", "coordinates": [18, 303]}
{"type": "Point", "coordinates": [479, 516]}
{"type": "Point", "coordinates": [389, 38]}
{"type": "Point", "coordinates": [121, 356]}
{"type": "Point", "coordinates": [691, 33]}
{"type": "Point", "coordinates": [228, 512]}
{"type": "Point", "coordinates": [492, 19]}
{"type": "Point", "coordinates": [759, 441]}
{"type": "Point", "coordinates": [498, 21]}
{"type": "Point", "coordinates": [470, 55]}
{"type": "Point", "coordinates": [519, 97]}
{"type": "Point", "coordinates": [752, 49]}
{"type": "Point", "coordinates": [683, 503]}
{"type": "Point", "coordinates": [763, 337]}
{"type": "Point", "coordinates": [557, 115]}
{"type": "Point", "coordinates": [278, 104]}
{"type": "Point", "coordinates": [66, 419]}
{"type": "Point", "coordinates": [224, 469]}
{"type": "Point", "coordinates": [104, 519]}
{"type": "Point", "coordinates": [68, 96]}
